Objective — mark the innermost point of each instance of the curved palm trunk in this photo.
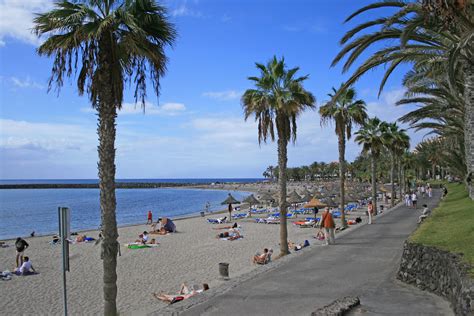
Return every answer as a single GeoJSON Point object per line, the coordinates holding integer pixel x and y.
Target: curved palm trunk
{"type": "Point", "coordinates": [400, 180]}
{"type": "Point", "coordinates": [106, 129]}
{"type": "Point", "coordinates": [392, 175]}
{"type": "Point", "coordinates": [282, 161]}
{"type": "Point", "coordinates": [342, 176]}
{"type": "Point", "coordinates": [373, 164]}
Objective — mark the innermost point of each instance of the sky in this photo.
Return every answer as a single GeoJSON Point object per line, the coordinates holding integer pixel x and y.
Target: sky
{"type": "Point", "coordinates": [195, 128]}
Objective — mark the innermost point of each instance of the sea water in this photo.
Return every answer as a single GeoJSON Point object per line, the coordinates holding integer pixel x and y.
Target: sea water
{"type": "Point", "coordinates": [25, 210]}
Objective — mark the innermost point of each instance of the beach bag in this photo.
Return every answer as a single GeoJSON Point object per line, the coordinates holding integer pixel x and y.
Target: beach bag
{"type": "Point", "coordinates": [320, 235]}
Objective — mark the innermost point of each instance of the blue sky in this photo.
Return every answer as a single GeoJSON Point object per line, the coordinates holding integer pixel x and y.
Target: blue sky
{"type": "Point", "coordinates": [196, 127]}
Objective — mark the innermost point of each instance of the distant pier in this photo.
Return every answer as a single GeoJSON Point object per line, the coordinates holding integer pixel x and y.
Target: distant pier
{"type": "Point", "coordinates": [118, 185]}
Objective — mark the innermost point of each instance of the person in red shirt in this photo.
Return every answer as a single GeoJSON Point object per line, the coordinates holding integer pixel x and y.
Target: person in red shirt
{"type": "Point", "coordinates": [327, 222]}
{"type": "Point", "coordinates": [149, 218]}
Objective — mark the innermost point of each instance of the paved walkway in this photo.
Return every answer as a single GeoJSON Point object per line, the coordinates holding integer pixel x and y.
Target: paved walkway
{"type": "Point", "coordinates": [363, 263]}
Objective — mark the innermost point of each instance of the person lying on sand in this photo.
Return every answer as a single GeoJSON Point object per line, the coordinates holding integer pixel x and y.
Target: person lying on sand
{"type": "Point", "coordinates": [183, 294]}
{"type": "Point", "coordinates": [296, 247]}
{"type": "Point", "coordinates": [232, 234]}
{"type": "Point", "coordinates": [83, 238]}
{"type": "Point", "coordinates": [226, 227]}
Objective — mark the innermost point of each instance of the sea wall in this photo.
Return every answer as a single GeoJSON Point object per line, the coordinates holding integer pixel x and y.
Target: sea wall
{"type": "Point", "coordinates": [441, 272]}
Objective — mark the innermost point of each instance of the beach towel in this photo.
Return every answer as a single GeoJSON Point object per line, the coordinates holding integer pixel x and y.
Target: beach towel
{"type": "Point", "coordinates": [140, 246]}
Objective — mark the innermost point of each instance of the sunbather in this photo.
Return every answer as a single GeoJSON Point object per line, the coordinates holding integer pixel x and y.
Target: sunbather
{"type": "Point", "coordinates": [142, 238]}
{"type": "Point", "coordinates": [226, 227]}
{"type": "Point", "coordinates": [183, 294]}
{"type": "Point", "coordinates": [260, 258]}
{"type": "Point", "coordinates": [167, 226]}
{"type": "Point", "coordinates": [232, 234]}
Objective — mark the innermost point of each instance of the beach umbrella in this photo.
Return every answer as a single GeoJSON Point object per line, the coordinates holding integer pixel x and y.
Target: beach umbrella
{"type": "Point", "coordinates": [306, 195]}
{"type": "Point", "coordinates": [314, 203]}
{"type": "Point", "coordinates": [230, 200]}
{"type": "Point", "coordinates": [251, 200]}
{"type": "Point", "coordinates": [265, 197]}
{"type": "Point", "coordinates": [293, 198]}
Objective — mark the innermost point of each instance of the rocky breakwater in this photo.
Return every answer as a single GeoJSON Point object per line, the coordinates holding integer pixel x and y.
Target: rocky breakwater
{"type": "Point", "coordinates": [441, 272]}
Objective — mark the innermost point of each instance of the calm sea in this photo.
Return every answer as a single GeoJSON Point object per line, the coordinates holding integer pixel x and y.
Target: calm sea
{"type": "Point", "coordinates": [26, 210]}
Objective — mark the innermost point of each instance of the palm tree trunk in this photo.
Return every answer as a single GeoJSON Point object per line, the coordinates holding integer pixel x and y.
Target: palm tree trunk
{"type": "Point", "coordinates": [342, 176]}
{"type": "Point", "coordinates": [400, 187]}
{"type": "Point", "coordinates": [282, 161]}
{"type": "Point", "coordinates": [392, 175]}
{"type": "Point", "coordinates": [106, 129]}
{"type": "Point", "coordinates": [374, 181]}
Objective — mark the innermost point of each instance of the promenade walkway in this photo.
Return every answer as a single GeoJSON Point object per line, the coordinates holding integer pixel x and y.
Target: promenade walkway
{"type": "Point", "coordinates": [363, 263]}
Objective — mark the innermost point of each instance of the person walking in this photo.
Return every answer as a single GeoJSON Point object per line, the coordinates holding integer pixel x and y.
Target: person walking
{"type": "Point", "coordinates": [149, 218]}
{"type": "Point", "coordinates": [414, 199]}
{"type": "Point", "coordinates": [370, 211]}
{"type": "Point", "coordinates": [20, 245]}
{"type": "Point", "coordinates": [327, 222]}
{"type": "Point", "coordinates": [407, 199]}
{"type": "Point", "coordinates": [430, 192]}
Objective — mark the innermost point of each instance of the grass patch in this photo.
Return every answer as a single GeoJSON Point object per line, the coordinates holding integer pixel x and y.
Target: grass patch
{"type": "Point", "coordinates": [451, 225]}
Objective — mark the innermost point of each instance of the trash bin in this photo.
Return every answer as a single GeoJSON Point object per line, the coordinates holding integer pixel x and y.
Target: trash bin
{"type": "Point", "coordinates": [202, 213]}
{"type": "Point", "coordinates": [224, 270]}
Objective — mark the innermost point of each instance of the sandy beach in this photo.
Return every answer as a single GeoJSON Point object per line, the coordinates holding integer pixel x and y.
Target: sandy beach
{"type": "Point", "coordinates": [191, 255]}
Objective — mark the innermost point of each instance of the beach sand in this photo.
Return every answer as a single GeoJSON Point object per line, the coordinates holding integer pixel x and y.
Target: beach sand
{"type": "Point", "coordinates": [191, 255]}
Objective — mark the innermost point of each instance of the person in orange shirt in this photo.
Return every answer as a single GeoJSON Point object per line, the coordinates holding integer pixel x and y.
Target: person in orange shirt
{"type": "Point", "coordinates": [327, 222]}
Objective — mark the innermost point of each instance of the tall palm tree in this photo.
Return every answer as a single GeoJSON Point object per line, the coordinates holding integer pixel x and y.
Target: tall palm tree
{"type": "Point", "coordinates": [370, 136]}
{"type": "Point", "coordinates": [345, 111]}
{"type": "Point", "coordinates": [277, 100]}
{"type": "Point", "coordinates": [432, 33]}
{"type": "Point", "coordinates": [108, 43]}
{"type": "Point", "coordinates": [396, 140]}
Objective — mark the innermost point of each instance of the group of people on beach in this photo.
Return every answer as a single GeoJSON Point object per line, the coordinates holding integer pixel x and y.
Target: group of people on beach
{"type": "Point", "coordinates": [23, 264]}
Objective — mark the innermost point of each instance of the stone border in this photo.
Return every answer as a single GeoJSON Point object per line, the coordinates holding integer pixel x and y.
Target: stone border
{"type": "Point", "coordinates": [440, 272]}
{"type": "Point", "coordinates": [339, 307]}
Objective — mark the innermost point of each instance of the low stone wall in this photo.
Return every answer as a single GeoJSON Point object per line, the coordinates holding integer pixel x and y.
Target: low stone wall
{"type": "Point", "coordinates": [440, 272]}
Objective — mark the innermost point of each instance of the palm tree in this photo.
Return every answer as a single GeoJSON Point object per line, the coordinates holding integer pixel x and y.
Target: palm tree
{"type": "Point", "coordinates": [108, 43]}
{"type": "Point", "coordinates": [437, 35]}
{"type": "Point", "coordinates": [396, 141]}
{"type": "Point", "coordinates": [277, 100]}
{"type": "Point", "coordinates": [344, 111]}
{"type": "Point", "coordinates": [370, 136]}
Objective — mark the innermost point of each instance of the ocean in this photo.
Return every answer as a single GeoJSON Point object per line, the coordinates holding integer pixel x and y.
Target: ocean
{"type": "Point", "coordinates": [25, 210]}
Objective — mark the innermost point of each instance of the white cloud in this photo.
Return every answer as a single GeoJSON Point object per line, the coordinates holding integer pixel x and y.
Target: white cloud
{"type": "Point", "coordinates": [166, 109]}
{"type": "Point", "coordinates": [26, 83]}
{"type": "Point", "coordinates": [384, 107]}
{"type": "Point", "coordinates": [16, 19]}
{"type": "Point", "coordinates": [305, 27]}
{"type": "Point", "coordinates": [183, 9]}
{"type": "Point", "coordinates": [170, 109]}
{"type": "Point", "coordinates": [223, 95]}
{"type": "Point", "coordinates": [45, 136]}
